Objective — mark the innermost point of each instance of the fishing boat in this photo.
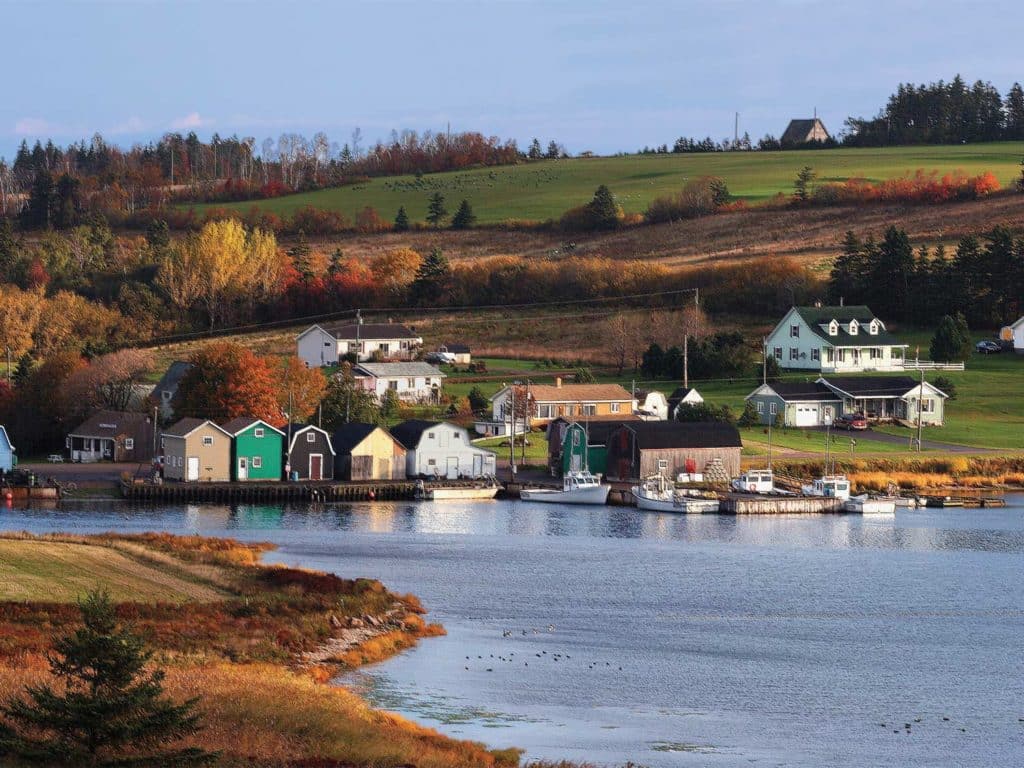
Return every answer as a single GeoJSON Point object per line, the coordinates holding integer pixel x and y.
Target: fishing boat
{"type": "Point", "coordinates": [755, 481]}
{"type": "Point", "coordinates": [486, 490]}
{"type": "Point", "coordinates": [829, 486]}
{"type": "Point", "coordinates": [580, 487]}
{"type": "Point", "coordinates": [865, 505]}
{"type": "Point", "coordinates": [656, 495]}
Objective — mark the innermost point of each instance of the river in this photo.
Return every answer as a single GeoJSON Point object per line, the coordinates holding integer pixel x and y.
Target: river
{"type": "Point", "coordinates": [607, 634]}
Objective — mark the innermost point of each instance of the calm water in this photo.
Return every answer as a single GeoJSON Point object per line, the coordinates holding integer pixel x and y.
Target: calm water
{"type": "Point", "coordinates": [673, 640]}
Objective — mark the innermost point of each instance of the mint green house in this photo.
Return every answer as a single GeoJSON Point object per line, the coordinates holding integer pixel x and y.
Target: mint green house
{"type": "Point", "coordinates": [256, 449]}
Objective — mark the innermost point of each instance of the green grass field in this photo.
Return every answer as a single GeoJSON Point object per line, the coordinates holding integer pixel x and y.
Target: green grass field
{"type": "Point", "coordinates": [546, 189]}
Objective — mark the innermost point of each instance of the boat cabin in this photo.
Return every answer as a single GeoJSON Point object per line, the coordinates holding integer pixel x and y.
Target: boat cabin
{"type": "Point", "coordinates": [755, 481]}
{"type": "Point", "coordinates": [830, 486]}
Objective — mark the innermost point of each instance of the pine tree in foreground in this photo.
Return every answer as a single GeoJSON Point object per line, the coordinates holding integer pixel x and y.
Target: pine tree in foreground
{"type": "Point", "coordinates": [401, 220]}
{"type": "Point", "coordinates": [464, 217]}
{"type": "Point", "coordinates": [107, 709]}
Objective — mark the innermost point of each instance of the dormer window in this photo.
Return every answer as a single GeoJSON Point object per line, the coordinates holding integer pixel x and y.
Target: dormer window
{"type": "Point", "coordinates": [833, 328]}
{"type": "Point", "coordinates": [873, 328]}
{"type": "Point", "coordinates": [853, 327]}
{"type": "Point", "coordinates": [794, 331]}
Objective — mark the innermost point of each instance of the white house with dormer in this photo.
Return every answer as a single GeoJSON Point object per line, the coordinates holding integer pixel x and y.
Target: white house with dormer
{"type": "Point", "coordinates": [835, 340]}
{"type": "Point", "coordinates": [325, 345]}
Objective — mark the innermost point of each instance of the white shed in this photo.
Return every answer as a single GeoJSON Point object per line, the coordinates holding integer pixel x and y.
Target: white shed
{"type": "Point", "coordinates": [1013, 335]}
{"type": "Point", "coordinates": [440, 449]}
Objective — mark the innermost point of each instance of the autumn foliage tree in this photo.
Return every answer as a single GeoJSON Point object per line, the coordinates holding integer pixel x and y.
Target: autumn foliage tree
{"type": "Point", "coordinates": [300, 388]}
{"type": "Point", "coordinates": [227, 380]}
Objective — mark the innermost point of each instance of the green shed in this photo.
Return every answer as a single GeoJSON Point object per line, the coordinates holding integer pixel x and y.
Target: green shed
{"type": "Point", "coordinates": [256, 449]}
{"type": "Point", "coordinates": [576, 445]}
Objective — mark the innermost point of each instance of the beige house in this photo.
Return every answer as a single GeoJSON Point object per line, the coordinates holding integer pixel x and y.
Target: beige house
{"type": "Point", "coordinates": [197, 451]}
{"type": "Point", "coordinates": [550, 401]}
{"type": "Point", "coordinates": [367, 452]}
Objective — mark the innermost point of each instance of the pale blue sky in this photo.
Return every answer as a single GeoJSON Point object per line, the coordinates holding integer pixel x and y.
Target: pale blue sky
{"type": "Point", "coordinates": [593, 75]}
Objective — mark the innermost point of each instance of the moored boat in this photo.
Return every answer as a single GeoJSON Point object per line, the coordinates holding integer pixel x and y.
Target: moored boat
{"type": "Point", "coordinates": [577, 488]}
{"type": "Point", "coordinates": [865, 505]}
{"type": "Point", "coordinates": [458, 492]}
{"type": "Point", "coordinates": [830, 487]}
{"type": "Point", "coordinates": [755, 481]}
{"type": "Point", "coordinates": [656, 495]}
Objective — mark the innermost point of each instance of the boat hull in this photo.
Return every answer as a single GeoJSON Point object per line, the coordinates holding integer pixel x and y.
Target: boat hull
{"type": "Point", "coordinates": [685, 505]}
{"type": "Point", "coordinates": [593, 495]}
{"type": "Point", "coordinates": [461, 494]}
{"type": "Point", "coordinates": [870, 506]}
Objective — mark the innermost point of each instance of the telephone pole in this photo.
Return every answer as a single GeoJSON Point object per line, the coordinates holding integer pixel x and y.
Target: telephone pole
{"type": "Point", "coordinates": [920, 402]}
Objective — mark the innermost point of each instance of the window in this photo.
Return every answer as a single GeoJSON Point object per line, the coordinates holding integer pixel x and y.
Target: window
{"type": "Point", "coordinates": [833, 328]}
{"type": "Point", "coordinates": [576, 437]}
{"type": "Point", "coordinates": [166, 395]}
{"type": "Point", "coordinates": [129, 444]}
{"type": "Point", "coordinates": [457, 435]}
{"type": "Point", "coordinates": [875, 353]}
{"type": "Point", "coordinates": [777, 352]}
{"type": "Point", "coordinates": [410, 383]}
{"type": "Point", "coordinates": [853, 327]}
{"type": "Point", "coordinates": [815, 354]}
{"type": "Point", "coordinates": [431, 462]}
{"type": "Point", "coordinates": [927, 405]}
{"type": "Point", "coordinates": [773, 408]}
{"type": "Point", "coordinates": [794, 353]}
{"type": "Point", "coordinates": [873, 328]}
{"type": "Point", "coordinates": [310, 437]}
{"type": "Point", "coordinates": [385, 348]}
{"type": "Point", "coordinates": [257, 462]}
{"type": "Point", "coordinates": [544, 411]}
{"type": "Point", "coordinates": [589, 409]}
{"type": "Point", "coordinates": [430, 435]}
{"type": "Point", "coordinates": [760, 406]}
{"type": "Point", "coordinates": [794, 331]}
{"type": "Point", "coordinates": [841, 356]}
{"type": "Point", "coordinates": [393, 384]}
{"type": "Point", "coordinates": [327, 343]}
{"type": "Point", "coordinates": [830, 354]}
{"type": "Point", "coordinates": [258, 432]}
{"type": "Point", "coordinates": [615, 407]}
{"type": "Point", "coordinates": [207, 440]}
{"type": "Point", "coordinates": [662, 465]}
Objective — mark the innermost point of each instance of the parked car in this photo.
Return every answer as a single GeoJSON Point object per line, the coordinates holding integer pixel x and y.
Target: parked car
{"type": "Point", "coordinates": [851, 421]}
{"type": "Point", "coordinates": [440, 357]}
{"type": "Point", "coordinates": [987, 348]}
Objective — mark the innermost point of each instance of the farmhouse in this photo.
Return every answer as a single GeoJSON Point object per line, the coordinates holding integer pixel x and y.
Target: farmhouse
{"type": "Point", "coordinates": [1013, 336]}
{"type": "Point", "coordinates": [682, 396]}
{"type": "Point", "coordinates": [256, 449]}
{"type": "Point", "coordinates": [112, 436]}
{"type": "Point", "coordinates": [796, 404]}
{"type": "Point", "coordinates": [7, 458]}
{"type": "Point", "coordinates": [413, 382]}
{"type": "Point", "coordinates": [670, 448]}
{"type": "Point", "coordinates": [367, 452]}
{"type": "Point", "coordinates": [310, 453]}
{"type": "Point", "coordinates": [197, 450]}
{"type": "Point", "coordinates": [835, 340]}
{"type": "Point", "coordinates": [440, 449]}
{"type": "Point", "coordinates": [321, 345]}
{"type": "Point", "coordinates": [549, 401]}
{"type": "Point", "coordinates": [165, 389]}
{"type": "Point", "coordinates": [803, 131]}
{"type": "Point", "coordinates": [574, 445]}
{"type": "Point", "coordinates": [651, 406]}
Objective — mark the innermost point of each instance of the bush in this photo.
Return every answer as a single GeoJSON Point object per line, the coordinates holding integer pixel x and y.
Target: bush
{"type": "Point", "coordinates": [946, 385]}
{"type": "Point", "coordinates": [699, 197]}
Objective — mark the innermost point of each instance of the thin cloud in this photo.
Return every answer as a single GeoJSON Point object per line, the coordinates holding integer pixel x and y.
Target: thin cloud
{"type": "Point", "coordinates": [32, 126]}
{"type": "Point", "coordinates": [191, 120]}
{"type": "Point", "coordinates": [133, 124]}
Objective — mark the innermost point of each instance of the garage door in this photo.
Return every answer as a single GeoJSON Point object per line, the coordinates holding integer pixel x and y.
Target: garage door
{"type": "Point", "coordinates": [807, 415]}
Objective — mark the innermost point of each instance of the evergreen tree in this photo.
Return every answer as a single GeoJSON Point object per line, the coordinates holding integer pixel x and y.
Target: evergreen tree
{"type": "Point", "coordinates": [478, 401]}
{"type": "Point", "coordinates": [8, 250]}
{"type": "Point", "coordinates": [300, 253]}
{"type": "Point", "coordinates": [158, 236]}
{"type": "Point", "coordinates": [344, 402]}
{"type": "Point", "coordinates": [952, 340]}
{"type": "Point", "coordinates": [554, 151]}
{"type": "Point", "coordinates": [652, 364]}
{"type": "Point", "coordinates": [401, 220]}
{"type": "Point", "coordinates": [389, 405]}
{"type": "Point", "coordinates": [535, 152]}
{"type": "Point", "coordinates": [603, 211]}
{"type": "Point", "coordinates": [109, 711]}
{"type": "Point", "coordinates": [431, 284]}
{"type": "Point", "coordinates": [436, 212]}
{"type": "Point", "coordinates": [1015, 113]}
{"type": "Point", "coordinates": [750, 417]}
{"type": "Point", "coordinates": [464, 217]}
{"type": "Point", "coordinates": [802, 185]}
{"type": "Point", "coordinates": [37, 213]}
{"type": "Point", "coordinates": [66, 204]}
{"type": "Point", "coordinates": [893, 267]}
{"type": "Point", "coordinates": [23, 369]}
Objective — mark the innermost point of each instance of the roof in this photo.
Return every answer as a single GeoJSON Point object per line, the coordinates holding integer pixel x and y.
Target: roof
{"type": "Point", "coordinates": [815, 317]}
{"type": "Point", "coordinates": [348, 436]}
{"type": "Point", "coordinates": [174, 373]}
{"type": "Point", "coordinates": [294, 429]}
{"type": "Point", "coordinates": [109, 423]}
{"type": "Point", "coordinates": [872, 386]}
{"type": "Point", "coordinates": [800, 391]}
{"type": "Point", "coordinates": [242, 423]}
{"type": "Point", "coordinates": [679, 394]}
{"type": "Point", "coordinates": [409, 432]}
{"type": "Point", "coordinates": [369, 331]}
{"type": "Point", "coordinates": [384, 370]}
{"type": "Point", "coordinates": [598, 431]}
{"type": "Point", "coordinates": [456, 349]}
{"type": "Point", "coordinates": [578, 393]}
{"type": "Point", "coordinates": [797, 130]}
{"type": "Point", "coordinates": [188, 425]}
{"type": "Point", "coordinates": [3, 431]}
{"type": "Point", "coordinates": [684, 434]}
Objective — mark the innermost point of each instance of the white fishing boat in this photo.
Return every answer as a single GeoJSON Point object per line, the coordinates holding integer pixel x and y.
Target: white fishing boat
{"type": "Point", "coordinates": [656, 495]}
{"type": "Point", "coordinates": [865, 505]}
{"type": "Point", "coordinates": [755, 481]}
{"type": "Point", "coordinates": [577, 488]}
{"type": "Point", "coordinates": [829, 486]}
{"type": "Point", "coordinates": [457, 492]}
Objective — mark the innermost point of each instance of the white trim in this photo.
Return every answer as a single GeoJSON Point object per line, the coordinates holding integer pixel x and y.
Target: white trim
{"type": "Point", "coordinates": [309, 469]}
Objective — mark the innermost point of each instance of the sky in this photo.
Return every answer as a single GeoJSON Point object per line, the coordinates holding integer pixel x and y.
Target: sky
{"type": "Point", "coordinates": [598, 76]}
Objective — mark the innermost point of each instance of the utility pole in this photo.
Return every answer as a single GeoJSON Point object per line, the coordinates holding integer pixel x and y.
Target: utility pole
{"type": "Point", "coordinates": [736, 132]}
{"type": "Point", "coordinates": [8, 367]}
{"type": "Point", "coordinates": [771, 420]}
{"type": "Point", "coordinates": [156, 410]}
{"type": "Point", "coordinates": [920, 401]}
{"type": "Point", "coordinates": [764, 360]}
{"type": "Point", "coordinates": [526, 427]}
{"type": "Point", "coordinates": [686, 361]}
{"type": "Point", "coordinates": [512, 433]}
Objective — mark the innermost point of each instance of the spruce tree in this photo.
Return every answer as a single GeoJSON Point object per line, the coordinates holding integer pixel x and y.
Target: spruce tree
{"type": "Point", "coordinates": [109, 709]}
{"type": "Point", "coordinates": [299, 254]}
{"type": "Point", "coordinates": [431, 282]}
{"type": "Point", "coordinates": [464, 217]}
{"type": "Point", "coordinates": [603, 212]}
{"type": "Point", "coordinates": [535, 152]}
{"type": "Point", "coordinates": [8, 250]}
{"type": "Point", "coordinates": [401, 220]}
{"type": "Point", "coordinates": [436, 212]}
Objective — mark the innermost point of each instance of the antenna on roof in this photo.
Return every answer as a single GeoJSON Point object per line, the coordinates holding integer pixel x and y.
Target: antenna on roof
{"type": "Point", "coordinates": [815, 113]}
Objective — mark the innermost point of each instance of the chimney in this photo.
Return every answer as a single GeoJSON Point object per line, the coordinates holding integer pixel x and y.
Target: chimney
{"type": "Point", "coordinates": [558, 382]}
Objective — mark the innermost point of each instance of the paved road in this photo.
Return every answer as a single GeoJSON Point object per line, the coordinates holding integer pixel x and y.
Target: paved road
{"type": "Point", "coordinates": [904, 440]}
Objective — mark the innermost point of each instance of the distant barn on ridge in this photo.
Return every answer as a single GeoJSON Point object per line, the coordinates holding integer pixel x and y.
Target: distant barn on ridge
{"type": "Point", "coordinates": [804, 131]}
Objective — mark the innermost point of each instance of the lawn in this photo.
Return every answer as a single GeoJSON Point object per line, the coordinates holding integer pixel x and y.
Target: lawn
{"type": "Point", "coordinates": [536, 448]}
{"type": "Point", "coordinates": [53, 570]}
{"type": "Point", "coordinates": [546, 189]}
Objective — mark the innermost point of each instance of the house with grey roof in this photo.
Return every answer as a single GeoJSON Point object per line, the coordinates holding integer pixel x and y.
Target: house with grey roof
{"type": "Point", "coordinates": [327, 344]}
{"type": "Point", "coordinates": [804, 131]}
{"type": "Point", "coordinates": [413, 382]}
{"type": "Point", "coordinates": [835, 340]}
{"type": "Point", "coordinates": [112, 436]}
{"type": "Point", "coordinates": [165, 390]}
